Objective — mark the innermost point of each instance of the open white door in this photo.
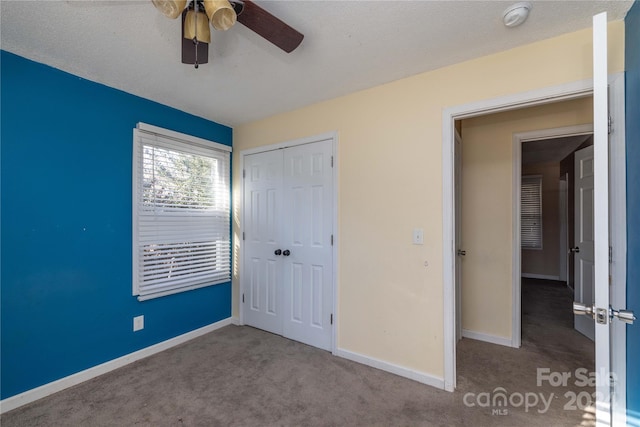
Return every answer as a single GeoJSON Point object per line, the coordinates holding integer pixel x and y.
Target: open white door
{"type": "Point", "coordinates": [583, 247]}
{"type": "Point", "coordinates": [601, 218]}
{"type": "Point", "coordinates": [600, 309]}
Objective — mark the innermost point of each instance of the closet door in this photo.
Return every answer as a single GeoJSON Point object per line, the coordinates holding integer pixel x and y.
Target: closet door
{"type": "Point", "coordinates": [262, 276]}
{"type": "Point", "coordinates": [306, 235]}
{"type": "Point", "coordinates": [287, 279]}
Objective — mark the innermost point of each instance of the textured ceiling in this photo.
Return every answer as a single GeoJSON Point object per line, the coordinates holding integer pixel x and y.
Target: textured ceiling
{"type": "Point", "coordinates": [551, 150]}
{"type": "Point", "coordinates": [348, 46]}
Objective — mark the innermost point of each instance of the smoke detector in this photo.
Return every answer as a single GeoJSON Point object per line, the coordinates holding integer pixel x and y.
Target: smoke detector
{"type": "Point", "coordinates": [516, 14]}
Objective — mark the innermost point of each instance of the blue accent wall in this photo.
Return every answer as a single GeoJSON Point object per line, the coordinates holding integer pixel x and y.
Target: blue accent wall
{"type": "Point", "coordinates": [66, 154]}
{"type": "Point", "coordinates": [632, 96]}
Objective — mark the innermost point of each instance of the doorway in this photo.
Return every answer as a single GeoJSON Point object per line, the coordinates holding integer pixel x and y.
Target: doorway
{"type": "Point", "coordinates": [617, 206]}
{"type": "Point", "coordinates": [490, 229]}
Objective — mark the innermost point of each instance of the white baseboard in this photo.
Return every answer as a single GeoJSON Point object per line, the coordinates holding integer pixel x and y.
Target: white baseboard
{"type": "Point", "coordinates": [34, 394]}
{"type": "Point", "coordinates": [494, 339]}
{"type": "Point", "coordinates": [539, 276]}
{"type": "Point", "coordinates": [390, 367]}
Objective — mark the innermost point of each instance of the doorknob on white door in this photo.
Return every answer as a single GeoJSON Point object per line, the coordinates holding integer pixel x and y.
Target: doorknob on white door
{"type": "Point", "coordinates": [286, 252]}
{"type": "Point", "coordinates": [575, 250]}
{"type": "Point", "coordinates": [582, 309]}
{"type": "Point", "coordinates": [625, 316]}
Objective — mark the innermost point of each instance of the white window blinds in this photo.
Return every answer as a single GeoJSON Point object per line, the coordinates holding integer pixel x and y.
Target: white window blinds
{"type": "Point", "coordinates": [531, 212]}
{"type": "Point", "coordinates": [181, 213]}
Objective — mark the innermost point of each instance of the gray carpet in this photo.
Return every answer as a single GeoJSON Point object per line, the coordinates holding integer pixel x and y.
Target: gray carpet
{"type": "Point", "coordinates": [240, 376]}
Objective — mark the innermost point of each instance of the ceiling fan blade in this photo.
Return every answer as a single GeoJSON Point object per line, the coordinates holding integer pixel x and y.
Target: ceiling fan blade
{"type": "Point", "coordinates": [268, 26]}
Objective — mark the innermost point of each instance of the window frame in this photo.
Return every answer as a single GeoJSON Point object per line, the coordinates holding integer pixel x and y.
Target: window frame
{"type": "Point", "coordinates": [171, 140]}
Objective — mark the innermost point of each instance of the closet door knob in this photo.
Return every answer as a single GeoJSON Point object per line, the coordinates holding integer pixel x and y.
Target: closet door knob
{"type": "Point", "coordinates": [278, 252]}
{"type": "Point", "coordinates": [286, 252]}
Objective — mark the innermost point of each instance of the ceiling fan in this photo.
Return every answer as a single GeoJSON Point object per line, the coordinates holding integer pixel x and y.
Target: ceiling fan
{"type": "Point", "coordinates": [222, 15]}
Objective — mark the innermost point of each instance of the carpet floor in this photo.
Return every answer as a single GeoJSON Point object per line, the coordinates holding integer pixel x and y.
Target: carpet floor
{"type": "Point", "coordinates": [241, 376]}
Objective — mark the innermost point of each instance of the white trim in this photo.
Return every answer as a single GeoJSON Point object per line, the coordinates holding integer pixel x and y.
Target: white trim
{"type": "Point", "coordinates": [333, 136]}
{"type": "Point", "coordinates": [292, 143]}
{"type": "Point", "coordinates": [449, 115]}
{"type": "Point", "coordinates": [539, 276]}
{"type": "Point", "coordinates": [493, 339]}
{"type": "Point", "coordinates": [182, 136]}
{"type": "Point", "coordinates": [390, 367]}
{"type": "Point", "coordinates": [336, 239]}
{"type": "Point", "coordinates": [45, 390]}
{"type": "Point", "coordinates": [516, 255]}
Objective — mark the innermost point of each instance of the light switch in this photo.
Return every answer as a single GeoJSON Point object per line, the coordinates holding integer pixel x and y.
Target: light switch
{"type": "Point", "coordinates": [418, 236]}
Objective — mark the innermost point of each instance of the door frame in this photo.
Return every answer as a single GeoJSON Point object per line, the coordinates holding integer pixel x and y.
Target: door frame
{"type": "Point", "coordinates": [518, 139]}
{"type": "Point", "coordinates": [617, 204]}
{"type": "Point", "coordinates": [239, 220]}
{"type": "Point", "coordinates": [563, 203]}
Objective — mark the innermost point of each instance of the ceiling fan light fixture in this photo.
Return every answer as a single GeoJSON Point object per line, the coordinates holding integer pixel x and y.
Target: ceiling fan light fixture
{"type": "Point", "coordinates": [221, 14]}
{"type": "Point", "coordinates": [196, 26]}
{"type": "Point", "coordinates": [170, 8]}
{"type": "Point", "coordinates": [516, 14]}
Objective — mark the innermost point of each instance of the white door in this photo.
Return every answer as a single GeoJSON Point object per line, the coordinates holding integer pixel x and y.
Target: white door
{"type": "Point", "coordinates": [262, 215]}
{"type": "Point", "coordinates": [584, 285]}
{"type": "Point", "coordinates": [307, 234]}
{"type": "Point", "coordinates": [288, 262]}
{"type": "Point", "coordinates": [598, 312]}
{"type": "Point", "coordinates": [601, 219]}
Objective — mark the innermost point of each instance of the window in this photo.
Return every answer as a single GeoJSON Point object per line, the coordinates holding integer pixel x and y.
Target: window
{"type": "Point", "coordinates": [531, 212]}
{"type": "Point", "coordinates": [181, 212]}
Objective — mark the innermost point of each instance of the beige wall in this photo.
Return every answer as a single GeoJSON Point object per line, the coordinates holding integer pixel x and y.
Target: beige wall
{"type": "Point", "coordinates": [546, 262]}
{"type": "Point", "coordinates": [390, 181]}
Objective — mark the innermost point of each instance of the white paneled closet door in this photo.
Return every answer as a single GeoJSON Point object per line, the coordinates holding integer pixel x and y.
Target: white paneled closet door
{"type": "Point", "coordinates": [307, 229]}
{"type": "Point", "coordinates": [288, 269]}
{"type": "Point", "coordinates": [262, 267]}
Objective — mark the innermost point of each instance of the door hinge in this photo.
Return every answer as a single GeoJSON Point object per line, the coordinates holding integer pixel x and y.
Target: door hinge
{"type": "Point", "coordinates": [610, 254]}
{"type": "Point", "coordinates": [243, 235]}
{"type": "Point", "coordinates": [244, 173]}
{"type": "Point", "coordinates": [331, 318]}
{"type": "Point", "coordinates": [332, 240]}
{"type": "Point", "coordinates": [612, 385]}
{"type": "Point", "coordinates": [331, 161]}
{"type": "Point", "coordinates": [609, 125]}
{"type": "Point", "coordinates": [243, 298]}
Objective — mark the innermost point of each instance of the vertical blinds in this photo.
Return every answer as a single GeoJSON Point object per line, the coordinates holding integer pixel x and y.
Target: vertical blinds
{"type": "Point", "coordinates": [531, 212]}
{"type": "Point", "coordinates": [181, 220]}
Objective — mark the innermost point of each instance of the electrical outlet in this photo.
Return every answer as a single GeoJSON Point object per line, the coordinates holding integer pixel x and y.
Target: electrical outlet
{"type": "Point", "coordinates": [418, 236]}
{"type": "Point", "coordinates": [138, 323]}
